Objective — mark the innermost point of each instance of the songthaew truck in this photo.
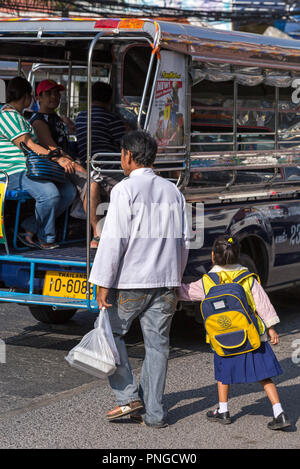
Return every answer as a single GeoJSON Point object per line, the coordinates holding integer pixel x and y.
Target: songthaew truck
{"type": "Point", "coordinates": [223, 108]}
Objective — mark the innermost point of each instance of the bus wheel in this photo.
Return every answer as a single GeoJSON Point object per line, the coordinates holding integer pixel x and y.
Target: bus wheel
{"type": "Point", "coordinates": [247, 261]}
{"type": "Point", "coordinates": [50, 316]}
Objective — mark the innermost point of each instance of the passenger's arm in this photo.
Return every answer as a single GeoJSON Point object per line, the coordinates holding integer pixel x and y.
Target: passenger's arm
{"type": "Point", "coordinates": [43, 134]}
{"type": "Point", "coordinates": [30, 143]}
{"type": "Point", "coordinates": [66, 163]}
{"type": "Point", "coordinates": [45, 138]}
{"type": "Point", "coordinates": [69, 123]}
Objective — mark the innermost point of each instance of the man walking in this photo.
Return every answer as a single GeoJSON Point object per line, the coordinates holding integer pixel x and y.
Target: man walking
{"type": "Point", "coordinates": [140, 260]}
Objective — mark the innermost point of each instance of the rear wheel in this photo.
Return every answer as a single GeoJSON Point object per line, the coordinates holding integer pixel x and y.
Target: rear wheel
{"type": "Point", "coordinates": [51, 316]}
{"type": "Point", "coordinates": [247, 261]}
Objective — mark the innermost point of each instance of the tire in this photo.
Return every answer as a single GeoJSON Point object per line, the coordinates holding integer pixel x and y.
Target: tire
{"type": "Point", "coordinates": [48, 315]}
{"type": "Point", "coordinates": [247, 261]}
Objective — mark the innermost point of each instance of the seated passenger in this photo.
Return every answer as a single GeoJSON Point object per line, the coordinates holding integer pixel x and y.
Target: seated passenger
{"type": "Point", "coordinates": [51, 199]}
{"type": "Point", "coordinates": [107, 131]}
{"type": "Point", "coordinates": [51, 131]}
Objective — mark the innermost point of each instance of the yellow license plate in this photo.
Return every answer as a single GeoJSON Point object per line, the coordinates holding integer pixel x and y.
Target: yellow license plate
{"type": "Point", "coordinates": [66, 284]}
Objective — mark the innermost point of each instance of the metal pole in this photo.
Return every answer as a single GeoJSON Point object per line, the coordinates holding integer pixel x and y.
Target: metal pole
{"type": "Point", "coordinates": [145, 90]}
{"type": "Point", "coordinates": [152, 94]}
{"type": "Point", "coordinates": [69, 89]}
{"type": "Point", "coordinates": [235, 100]}
{"type": "Point", "coordinates": [88, 158]}
{"type": "Point", "coordinates": [183, 179]}
{"type": "Point", "coordinates": [276, 116]}
{"type": "Point", "coordinates": [235, 109]}
{"type": "Point", "coordinates": [276, 127]}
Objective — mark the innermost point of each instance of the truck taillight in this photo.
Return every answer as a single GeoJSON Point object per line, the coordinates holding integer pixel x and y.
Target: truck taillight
{"type": "Point", "coordinates": [110, 24]}
{"type": "Point", "coordinates": [129, 23]}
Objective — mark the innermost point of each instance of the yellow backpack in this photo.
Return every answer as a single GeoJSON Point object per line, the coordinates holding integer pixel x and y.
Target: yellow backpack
{"type": "Point", "coordinates": [228, 311]}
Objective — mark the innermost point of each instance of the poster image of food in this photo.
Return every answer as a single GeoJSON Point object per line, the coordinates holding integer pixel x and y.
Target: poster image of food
{"type": "Point", "coordinates": [167, 115]}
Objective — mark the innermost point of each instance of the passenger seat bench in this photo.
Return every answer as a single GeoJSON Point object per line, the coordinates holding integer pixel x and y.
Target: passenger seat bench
{"type": "Point", "coordinates": [21, 196]}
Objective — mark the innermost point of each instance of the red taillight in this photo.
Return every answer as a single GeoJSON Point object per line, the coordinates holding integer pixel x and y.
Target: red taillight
{"type": "Point", "coordinates": [112, 24]}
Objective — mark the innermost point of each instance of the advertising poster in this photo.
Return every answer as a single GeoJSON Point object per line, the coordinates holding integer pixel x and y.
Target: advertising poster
{"type": "Point", "coordinates": [167, 117]}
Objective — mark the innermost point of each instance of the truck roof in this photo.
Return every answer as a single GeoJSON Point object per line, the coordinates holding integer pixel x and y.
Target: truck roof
{"type": "Point", "coordinates": [202, 43]}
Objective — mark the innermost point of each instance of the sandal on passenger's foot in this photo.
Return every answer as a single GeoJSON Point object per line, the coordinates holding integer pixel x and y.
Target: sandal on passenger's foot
{"type": "Point", "coordinates": [27, 240]}
{"type": "Point", "coordinates": [42, 245]}
{"type": "Point", "coordinates": [95, 241]}
{"type": "Point", "coordinates": [121, 411]}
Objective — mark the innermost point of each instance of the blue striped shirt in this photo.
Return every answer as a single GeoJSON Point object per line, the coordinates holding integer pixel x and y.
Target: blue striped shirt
{"type": "Point", "coordinates": [107, 131]}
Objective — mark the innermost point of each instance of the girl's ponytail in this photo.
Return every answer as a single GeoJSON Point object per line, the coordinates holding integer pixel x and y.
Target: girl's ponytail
{"type": "Point", "coordinates": [226, 250]}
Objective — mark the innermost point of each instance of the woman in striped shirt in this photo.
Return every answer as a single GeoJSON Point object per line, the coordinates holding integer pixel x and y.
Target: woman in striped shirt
{"type": "Point", "coordinates": [51, 199]}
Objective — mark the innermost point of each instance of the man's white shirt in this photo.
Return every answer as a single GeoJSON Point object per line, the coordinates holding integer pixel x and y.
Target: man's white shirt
{"type": "Point", "coordinates": [144, 242]}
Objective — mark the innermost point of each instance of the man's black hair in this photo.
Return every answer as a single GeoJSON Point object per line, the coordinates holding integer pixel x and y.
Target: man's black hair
{"type": "Point", "coordinates": [101, 92]}
{"type": "Point", "coordinates": [142, 147]}
{"type": "Point", "coordinates": [17, 88]}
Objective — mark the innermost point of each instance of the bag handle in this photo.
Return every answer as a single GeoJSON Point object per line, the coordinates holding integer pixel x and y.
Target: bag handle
{"type": "Point", "coordinates": [56, 153]}
{"type": "Point", "coordinates": [101, 316]}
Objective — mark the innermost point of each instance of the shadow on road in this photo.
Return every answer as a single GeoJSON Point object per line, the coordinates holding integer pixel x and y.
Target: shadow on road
{"type": "Point", "coordinates": [205, 398]}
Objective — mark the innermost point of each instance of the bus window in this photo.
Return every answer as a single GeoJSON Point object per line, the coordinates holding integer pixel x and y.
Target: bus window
{"type": "Point", "coordinates": [135, 66]}
{"type": "Point", "coordinates": [215, 105]}
{"type": "Point", "coordinates": [211, 106]}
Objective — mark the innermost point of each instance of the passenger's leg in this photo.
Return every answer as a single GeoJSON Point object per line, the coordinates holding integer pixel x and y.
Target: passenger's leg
{"type": "Point", "coordinates": [48, 199]}
{"type": "Point", "coordinates": [67, 192]}
{"type": "Point", "coordinates": [95, 201]}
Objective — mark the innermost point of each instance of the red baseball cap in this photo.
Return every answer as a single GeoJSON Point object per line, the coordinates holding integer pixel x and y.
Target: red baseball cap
{"type": "Point", "coordinates": [46, 85]}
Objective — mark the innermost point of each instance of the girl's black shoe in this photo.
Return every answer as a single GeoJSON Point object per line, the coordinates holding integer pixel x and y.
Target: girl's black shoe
{"type": "Point", "coordinates": [215, 416]}
{"type": "Point", "coordinates": [280, 422]}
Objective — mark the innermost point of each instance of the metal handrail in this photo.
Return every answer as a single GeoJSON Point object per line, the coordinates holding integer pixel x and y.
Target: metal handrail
{"type": "Point", "coordinates": [228, 161]}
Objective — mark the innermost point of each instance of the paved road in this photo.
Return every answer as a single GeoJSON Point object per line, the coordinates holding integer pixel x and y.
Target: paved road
{"type": "Point", "coordinates": [44, 403]}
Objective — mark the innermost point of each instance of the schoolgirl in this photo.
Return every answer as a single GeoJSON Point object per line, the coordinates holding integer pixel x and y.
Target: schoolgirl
{"type": "Point", "coordinates": [259, 365]}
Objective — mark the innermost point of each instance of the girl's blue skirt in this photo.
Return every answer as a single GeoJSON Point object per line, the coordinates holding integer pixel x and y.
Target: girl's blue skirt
{"type": "Point", "coordinates": [248, 367]}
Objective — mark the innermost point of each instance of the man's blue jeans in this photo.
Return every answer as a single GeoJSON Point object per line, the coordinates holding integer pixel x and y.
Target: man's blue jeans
{"type": "Point", "coordinates": [155, 309]}
{"type": "Point", "coordinates": [51, 200]}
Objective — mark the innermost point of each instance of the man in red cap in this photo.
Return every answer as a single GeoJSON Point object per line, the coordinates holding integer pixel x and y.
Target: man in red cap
{"type": "Point", "coordinates": [48, 95]}
{"type": "Point", "coordinates": [47, 85]}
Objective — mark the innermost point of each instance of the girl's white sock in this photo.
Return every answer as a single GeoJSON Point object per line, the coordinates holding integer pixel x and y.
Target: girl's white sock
{"type": "Point", "coordinates": [223, 407]}
{"type": "Point", "coordinates": [277, 409]}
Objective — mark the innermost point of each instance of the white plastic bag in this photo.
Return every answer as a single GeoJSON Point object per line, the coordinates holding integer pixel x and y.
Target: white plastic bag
{"type": "Point", "coordinates": [96, 353]}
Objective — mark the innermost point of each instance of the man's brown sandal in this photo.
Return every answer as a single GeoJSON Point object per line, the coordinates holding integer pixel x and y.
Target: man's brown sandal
{"type": "Point", "coordinates": [122, 410]}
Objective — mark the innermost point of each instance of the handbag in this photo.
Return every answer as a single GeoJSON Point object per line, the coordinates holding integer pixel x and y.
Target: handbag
{"type": "Point", "coordinates": [41, 167]}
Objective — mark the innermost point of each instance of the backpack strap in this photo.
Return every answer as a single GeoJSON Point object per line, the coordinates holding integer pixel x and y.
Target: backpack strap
{"type": "Point", "coordinates": [214, 277]}
{"type": "Point", "coordinates": [209, 280]}
{"type": "Point", "coordinates": [246, 274]}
